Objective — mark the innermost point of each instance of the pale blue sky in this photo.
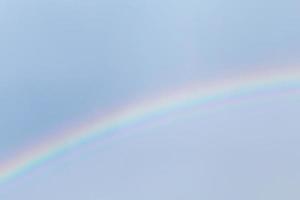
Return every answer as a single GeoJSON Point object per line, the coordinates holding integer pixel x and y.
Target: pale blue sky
{"type": "Point", "coordinates": [63, 59]}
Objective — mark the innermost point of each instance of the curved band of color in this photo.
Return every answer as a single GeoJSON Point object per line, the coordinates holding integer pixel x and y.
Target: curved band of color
{"type": "Point", "coordinates": [195, 94]}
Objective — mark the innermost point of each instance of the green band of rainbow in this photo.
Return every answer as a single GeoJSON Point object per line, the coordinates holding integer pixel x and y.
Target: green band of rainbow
{"type": "Point", "coordinates": [196, 94]}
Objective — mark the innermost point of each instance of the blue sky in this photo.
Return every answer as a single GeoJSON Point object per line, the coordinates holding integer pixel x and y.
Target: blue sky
{"type": "Point", "coordinates": [62, 60]}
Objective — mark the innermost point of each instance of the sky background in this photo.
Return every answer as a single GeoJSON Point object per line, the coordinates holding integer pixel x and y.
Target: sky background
{"type": "Point", "coordinates": [62, 60]}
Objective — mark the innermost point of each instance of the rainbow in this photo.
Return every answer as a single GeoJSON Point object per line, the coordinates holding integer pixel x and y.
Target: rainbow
{"type": "Point", "coordinates": [194, 94]}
